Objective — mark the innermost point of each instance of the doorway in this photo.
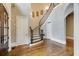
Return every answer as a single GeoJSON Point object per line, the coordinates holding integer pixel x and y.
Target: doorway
{"type": "Point", "coordinates": [69, 33]}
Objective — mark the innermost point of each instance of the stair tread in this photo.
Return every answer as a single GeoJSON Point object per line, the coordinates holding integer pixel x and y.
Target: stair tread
{"type": "Point", "coordinates": [35, 35]}
{"type": "Point", "coordinates": [37, 41]}
{"type": "Point", "coordinates": [36, 38]}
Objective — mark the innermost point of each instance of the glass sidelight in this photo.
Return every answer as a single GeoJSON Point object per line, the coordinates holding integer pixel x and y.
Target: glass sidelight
{"type": "Point", "coordinates": [5, 28]}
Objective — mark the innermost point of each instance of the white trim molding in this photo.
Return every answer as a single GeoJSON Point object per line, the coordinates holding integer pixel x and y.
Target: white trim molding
{"type": "Point", "coordinates": [58, 40]}
{"type": "Point", "coordinates": [68, 37]}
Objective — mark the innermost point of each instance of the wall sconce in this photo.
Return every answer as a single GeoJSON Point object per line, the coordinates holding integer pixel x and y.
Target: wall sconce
{"type": "Point", "coordinates": [46, 8]}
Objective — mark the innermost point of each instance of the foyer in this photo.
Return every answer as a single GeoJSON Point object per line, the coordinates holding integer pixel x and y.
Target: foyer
{"type": "Point", "coordinates": [38, 29]}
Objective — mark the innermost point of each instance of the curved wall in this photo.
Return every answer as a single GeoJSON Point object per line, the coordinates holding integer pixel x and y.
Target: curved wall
{"type": "Point", "coordinates": [55, 26]}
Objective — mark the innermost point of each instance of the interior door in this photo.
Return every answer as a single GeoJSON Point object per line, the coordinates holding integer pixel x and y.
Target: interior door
{"type": "Point", "coordinates": [21, 30]}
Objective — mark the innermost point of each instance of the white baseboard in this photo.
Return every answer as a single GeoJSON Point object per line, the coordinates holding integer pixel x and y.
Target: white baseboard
{"type": "Point", "coordinates": [16, 44]}
{"type": "Point", "coordinates": [57, 40]}
{"type": "Point", "coordinates": [9, 49]}
{"type": "Point", "coordinates": [60, 41]}
{"type": "Point", "coordinates": [68, 37]}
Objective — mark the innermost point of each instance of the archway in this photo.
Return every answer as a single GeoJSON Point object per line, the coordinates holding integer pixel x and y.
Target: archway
{"type": "Point", "coordinates": [69, 33]}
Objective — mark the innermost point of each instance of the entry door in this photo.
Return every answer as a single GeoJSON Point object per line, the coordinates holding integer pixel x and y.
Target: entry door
{"type": "Point", "coordinates": [21, 30]}
{"type": "Point", "coordinates": [3, 30]}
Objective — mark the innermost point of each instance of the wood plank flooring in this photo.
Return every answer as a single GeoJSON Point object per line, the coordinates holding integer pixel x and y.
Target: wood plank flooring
{"type": "Point", "coordinates": [47, 48]}
{"type": "Point", "coordinates": [70, 46]}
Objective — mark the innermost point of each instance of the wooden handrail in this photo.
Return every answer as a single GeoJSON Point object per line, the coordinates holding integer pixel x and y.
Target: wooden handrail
{"type": "Point", "coordinates": [46, 14]}
{"type": "Point", "coordinates": [36, 27]}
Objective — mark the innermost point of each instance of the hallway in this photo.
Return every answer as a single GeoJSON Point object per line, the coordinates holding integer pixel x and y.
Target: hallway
{"type": "Point", "coordinates": [47, 48]}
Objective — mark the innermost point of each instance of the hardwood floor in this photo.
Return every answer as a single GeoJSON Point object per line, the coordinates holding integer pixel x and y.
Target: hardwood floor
{"type": "Point", "coordinates": [70, 46]}
{"type": "Point", "coordinates": [47, 48]}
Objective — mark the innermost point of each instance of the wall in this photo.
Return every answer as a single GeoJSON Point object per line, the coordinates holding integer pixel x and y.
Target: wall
{"type": "Point", "coordinates": [20, 10]}
{"type": "Point", "coordinates": [22, 30]}
{"type": "Point", "coordinates": [55, 26]}
{"type": "Point", "coordinates": [38, 7]}
{"type": "Point", "coordinates": [14, 12]}
{"type": "Point", "coordinates": [76, 29]}
{"type": "Point", "coordinates": [55, 29]}
{"type": "Point", "coordinates": [13, 26]}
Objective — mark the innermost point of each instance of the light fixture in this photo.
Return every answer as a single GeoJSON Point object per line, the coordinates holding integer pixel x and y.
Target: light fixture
{"type": "Point", "coordinates": [31, 13]}
{"type": "Point", "coordinates": [46, 8]}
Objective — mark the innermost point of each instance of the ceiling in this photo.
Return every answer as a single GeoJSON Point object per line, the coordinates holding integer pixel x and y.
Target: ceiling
{"type": "Point", "coordinates": [21, 8]}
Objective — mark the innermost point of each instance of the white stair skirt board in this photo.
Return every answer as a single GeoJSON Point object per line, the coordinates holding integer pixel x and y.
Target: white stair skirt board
{"type": "Point", "coordinates": [68, 37]}
{"type": "Point", "coordinates": [57, 40]}
{"type": "Point", "coordinates": [59, 44]}
{"type": "Point", "coordinates": [36, 43]}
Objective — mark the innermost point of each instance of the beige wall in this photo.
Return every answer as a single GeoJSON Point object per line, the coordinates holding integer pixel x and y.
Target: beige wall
{"type": "Point", "coordinates": [14, 12]}
{"type": "Point", "coordinates": [38, 7]}
{"type": "Point", "coordinates": [13, 26]}
{"type": "Point", "coordinates": [69, 25]}
{"type": "Point", "coordinates": [13, 23]}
